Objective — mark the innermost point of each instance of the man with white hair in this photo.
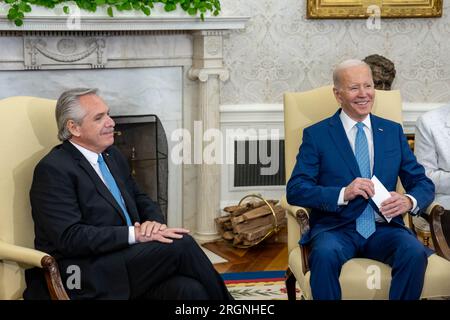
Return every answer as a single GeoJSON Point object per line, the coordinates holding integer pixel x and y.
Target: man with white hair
{"type": "Point", "coordinates": [332, 176]}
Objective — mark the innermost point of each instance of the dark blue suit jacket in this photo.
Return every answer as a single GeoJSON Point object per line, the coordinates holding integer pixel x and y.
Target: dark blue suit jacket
{"type": "Point", "coordinates": [78, 221]}
{"type": "Point", "coordinates": [326, 163]}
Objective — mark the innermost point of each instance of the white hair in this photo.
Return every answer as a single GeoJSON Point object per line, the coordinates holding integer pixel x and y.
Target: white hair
{"type": "Point", "coordinates": [345, 65]}
{"type": "Point", "coordinates": [68, 108]}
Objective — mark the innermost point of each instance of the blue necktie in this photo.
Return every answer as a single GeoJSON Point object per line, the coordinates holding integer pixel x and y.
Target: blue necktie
{"type": "Point", "coordinates": [365, 223]}
{"type": "Point", "coordinates": [113, 188]}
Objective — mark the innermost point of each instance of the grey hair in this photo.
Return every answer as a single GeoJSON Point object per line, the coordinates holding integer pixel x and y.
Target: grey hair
{"type": "Point", "coordinates": [345, 65]}
{"type": "Point", "coordinates": [68, 108]}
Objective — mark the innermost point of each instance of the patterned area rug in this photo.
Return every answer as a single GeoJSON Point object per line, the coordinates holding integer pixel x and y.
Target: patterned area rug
{"type": "Point", "coordinates": [261, 285]}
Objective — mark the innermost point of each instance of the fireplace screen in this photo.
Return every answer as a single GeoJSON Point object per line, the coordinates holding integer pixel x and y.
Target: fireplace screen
{"type": "Point", "coordinates": [143, 142]}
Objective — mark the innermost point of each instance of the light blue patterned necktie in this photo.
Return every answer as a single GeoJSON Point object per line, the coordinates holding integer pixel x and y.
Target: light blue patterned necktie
{"type": "Point", "coordinates": [365, 223]}
{"type": "Point", "coordinates": [113, 188]}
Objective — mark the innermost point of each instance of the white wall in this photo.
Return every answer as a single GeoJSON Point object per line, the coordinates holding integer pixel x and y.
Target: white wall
{"type": "Point", "coordinates": [281, 50]}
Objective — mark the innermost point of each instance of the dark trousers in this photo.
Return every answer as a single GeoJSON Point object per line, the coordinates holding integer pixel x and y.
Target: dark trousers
{"type": "Point", "coordinates": [175, 271]}
{"type": "Point", "coordinates": [389, 244]}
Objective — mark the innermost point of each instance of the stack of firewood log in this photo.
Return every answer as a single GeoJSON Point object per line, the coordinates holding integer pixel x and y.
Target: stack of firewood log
{"type": "Point", "coordinates": [247, 224]}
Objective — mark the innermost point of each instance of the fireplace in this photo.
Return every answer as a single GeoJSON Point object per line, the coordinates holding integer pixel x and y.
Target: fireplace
{"type": "Point", "coordinates": [128, 92]}
{"type": "Point", "coordinates": [142, 140]}
{"type": "Point", "coordinates": [168, 65]}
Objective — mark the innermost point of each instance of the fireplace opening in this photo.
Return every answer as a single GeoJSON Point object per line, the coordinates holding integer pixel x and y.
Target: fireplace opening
{"type": "Point", "coordinates": [250, 172]}
{"type": "Point", "coordinates": [142, 140]}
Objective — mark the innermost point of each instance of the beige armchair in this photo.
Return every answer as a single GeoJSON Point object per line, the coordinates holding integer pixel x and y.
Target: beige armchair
{"type": "Point", "coordinates": [304, 109]}
{"type": "Point", "coordinates": [27, 133]}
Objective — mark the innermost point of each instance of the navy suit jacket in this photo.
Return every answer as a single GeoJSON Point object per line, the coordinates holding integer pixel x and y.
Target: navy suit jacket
{"type": "Point", "coordinates": [326, 163]}
{"type": "Point", "coordinates": [78, 221]}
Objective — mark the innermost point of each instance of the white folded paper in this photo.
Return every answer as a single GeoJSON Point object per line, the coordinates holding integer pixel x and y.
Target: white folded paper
{"type": "Point", "coordinates": [381, 194]}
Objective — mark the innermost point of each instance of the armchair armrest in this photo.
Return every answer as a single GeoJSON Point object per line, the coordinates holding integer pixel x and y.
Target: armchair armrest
{"type": "Point", "coordinates": [437, 213]}
{"type": "Point", "coordinates": [432, 207]}
{"type": "Point", "coordinates": [38, 259]}
{"type": "Point", "coordinates": [19, 254]}
{"type": "Point", "coordinates": [301, 216]}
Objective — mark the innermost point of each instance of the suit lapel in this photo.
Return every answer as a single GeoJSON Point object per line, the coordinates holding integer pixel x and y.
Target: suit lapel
{"type": "Point", "coordinates": [379, 135]}
{"type": "Point", "coordinates": [129, 202]}
{"type": "Point", "coordinates": [100, 186]}
{"type": "Point", "coordinates": [341, 142]}
{"type": "Point", "coordinates": [98, 183]}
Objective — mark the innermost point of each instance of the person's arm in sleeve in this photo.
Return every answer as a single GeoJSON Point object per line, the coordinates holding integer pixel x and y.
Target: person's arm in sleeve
{"type": "Point", "coordinates": [302, 188]}
{"type": "Point", "coordinates": [427, 155]}
{"type": "Point", "coordinates": [56, 208]}
{"type": "Point", "coordinates": [412, 175]}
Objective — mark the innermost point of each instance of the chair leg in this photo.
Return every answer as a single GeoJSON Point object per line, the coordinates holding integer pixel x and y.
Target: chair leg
{"type": "Point", "coordinates": [290, 284]}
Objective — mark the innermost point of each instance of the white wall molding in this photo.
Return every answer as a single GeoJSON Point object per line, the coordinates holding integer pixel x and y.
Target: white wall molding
{"type": "Point", "coordinates": [43, 19]}
{"type": "Point", "coordinates": [252, 113]}
{"type": "Point", "coordinates": [273, 113]}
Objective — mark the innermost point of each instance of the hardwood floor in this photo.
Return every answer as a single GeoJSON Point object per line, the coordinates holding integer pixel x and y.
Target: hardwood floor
{"type": "Point", "coordinates": [268, 255]}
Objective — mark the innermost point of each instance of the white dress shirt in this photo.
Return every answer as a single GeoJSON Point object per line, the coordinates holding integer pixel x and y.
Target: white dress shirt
{"type": "Point", "coordinates": [92, 158]}
{"type": "Point", "coordinates": [351, 130]}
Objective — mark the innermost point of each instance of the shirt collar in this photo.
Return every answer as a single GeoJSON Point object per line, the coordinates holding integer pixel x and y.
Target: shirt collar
{"type": "Point", "coordinates": [91, 156]}
{"type": "Point", "coordinates": [349, 123]}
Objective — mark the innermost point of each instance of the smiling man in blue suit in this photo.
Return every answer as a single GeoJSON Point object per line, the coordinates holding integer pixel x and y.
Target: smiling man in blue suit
{"type": "Point", "coordinates": [337, 158]}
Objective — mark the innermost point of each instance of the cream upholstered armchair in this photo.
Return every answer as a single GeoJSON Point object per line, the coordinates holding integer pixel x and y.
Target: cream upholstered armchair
{"type": "Point", "coordinates": [28, 133]}
{"type": "Point", "coordinates": [302, 110]}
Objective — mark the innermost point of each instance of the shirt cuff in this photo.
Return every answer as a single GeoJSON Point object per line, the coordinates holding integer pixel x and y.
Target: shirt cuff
{"type": "Point", "coordinates": [414, 210]}
{"type": "Point", "coordinates": [131, 236]}
{"type": "Point", "coordinates": [341, 201]}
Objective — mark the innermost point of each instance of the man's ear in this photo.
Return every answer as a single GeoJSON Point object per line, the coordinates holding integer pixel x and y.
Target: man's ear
{"type": "Point", "coordinates": [337, 95]}
{"type": "Point", "coordinates": [74, 128]}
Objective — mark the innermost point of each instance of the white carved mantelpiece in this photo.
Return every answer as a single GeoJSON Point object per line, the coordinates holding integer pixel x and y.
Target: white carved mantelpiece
{"type": "Point", "coordinates": [159, 48]}
{"type": "Point", "coordinates": [89, 52]}
{"type": "Point", "coordinates": [43, 19]}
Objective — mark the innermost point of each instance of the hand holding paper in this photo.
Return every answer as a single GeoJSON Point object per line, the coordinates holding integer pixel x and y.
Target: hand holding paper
{"type": "Point", "coordinates": [381, 194]}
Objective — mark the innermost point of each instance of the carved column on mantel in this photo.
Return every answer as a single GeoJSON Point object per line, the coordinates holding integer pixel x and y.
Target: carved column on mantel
{"type": "Point", "coordinates": [207, 67]}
